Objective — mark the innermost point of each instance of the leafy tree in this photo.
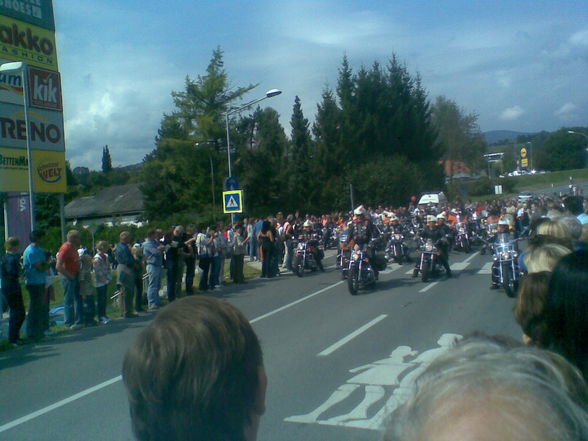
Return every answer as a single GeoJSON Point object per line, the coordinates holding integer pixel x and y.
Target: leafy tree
{"type": "Point", "coordinates": [176, 174]}
{"type": "Point", "coordinates": [459, 133]}
{"type": "Point", "coordinates": [564, 151]}
{"type": "Point", "coordinates": [106, 160]}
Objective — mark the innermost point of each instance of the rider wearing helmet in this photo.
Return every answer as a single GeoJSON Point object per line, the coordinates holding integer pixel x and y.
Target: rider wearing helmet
{"type": "Point", "coordinates": [438, 232]}
{"type": "Point", "coordinates": [311, 237]}
{"type": "Point", "coordinates": [362, 231]}
{"type": "Point", "coordinates": [503, 234]}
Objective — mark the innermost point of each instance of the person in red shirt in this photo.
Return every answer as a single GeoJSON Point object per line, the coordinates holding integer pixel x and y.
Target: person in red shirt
{"type": "Point", "coordinates": [68, 266]}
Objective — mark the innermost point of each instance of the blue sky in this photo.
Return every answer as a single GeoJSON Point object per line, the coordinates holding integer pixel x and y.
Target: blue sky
{"type": "Point", "coordinates": [520, 65]}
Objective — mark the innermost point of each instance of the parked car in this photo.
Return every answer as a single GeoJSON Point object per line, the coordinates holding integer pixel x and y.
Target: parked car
{"type": "Point", "coordinates": [525, 196]}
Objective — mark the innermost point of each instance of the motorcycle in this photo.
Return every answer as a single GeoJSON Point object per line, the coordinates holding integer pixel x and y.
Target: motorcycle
{"type": "Point", "coordinates": [462, 238]}
{"type": "Point", "coordinates": [360, 273]}
{"type": "Point", "coordinates": [428, 262]}
{"type": "Point", "coordinates": [304, 259]}
{"type": "Point", "coordinates": [329, 237]}
{"type": "Point", "coordinates": [487, 231]}
{"type": "Point", "coordinates": [505, 270]}
{"type": "Point", "coordinates": [396, 249]}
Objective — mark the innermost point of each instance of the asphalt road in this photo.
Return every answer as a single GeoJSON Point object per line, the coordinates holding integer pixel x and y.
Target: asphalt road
{"type": "Point", "coordinates": [336, 363]}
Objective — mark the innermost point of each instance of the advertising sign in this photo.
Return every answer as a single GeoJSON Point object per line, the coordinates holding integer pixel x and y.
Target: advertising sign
{"type": "Point", "coordinates": [21, 41]}
{"type": "Point", "coordinates": [48, 171]}
{"type": "Point", "coordinates": [36, 12]}
{"type": "Point", "coordinates": [19, 217]}
{"type": "Point", "coordinates": [44, 88]}
{"type": "Point", "coordinates": [524, 162]}
{"type": "Point", "coordinates": [523, 152]}
{"type": "Point", "coordinates": [46, 128]}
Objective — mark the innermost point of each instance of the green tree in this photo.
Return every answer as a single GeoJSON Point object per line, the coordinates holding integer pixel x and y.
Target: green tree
{"type": "Point", "coordinates": [459, 133]}
{"type": "Point", "coordinates": [176, 174]}
{"type": "Point", "coordinates": [298, 173]}
{"type": "Point", "coordinates": [564, 151]}
{"type": "Point", "coordinates": [106, 160]}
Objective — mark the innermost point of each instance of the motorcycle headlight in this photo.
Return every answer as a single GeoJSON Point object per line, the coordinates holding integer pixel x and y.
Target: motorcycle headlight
{"type": "Point", "coordinates": [397, 236]}
{"type": "Point", "coordinates": [428, 247]}
{"type": "Point", "coordinates": [355, 256]}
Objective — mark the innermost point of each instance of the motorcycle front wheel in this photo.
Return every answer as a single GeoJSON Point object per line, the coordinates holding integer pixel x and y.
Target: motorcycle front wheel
{"type": "Point", "coordinates": [353, 282]}
{"type": "Point", "coordinates": [299, 266]}
{"type": "Point", "coordinates": [425, 273]}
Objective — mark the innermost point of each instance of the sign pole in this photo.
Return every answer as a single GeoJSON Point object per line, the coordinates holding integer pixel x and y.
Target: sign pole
{"type": "Point", "coordinates": [25, 89]}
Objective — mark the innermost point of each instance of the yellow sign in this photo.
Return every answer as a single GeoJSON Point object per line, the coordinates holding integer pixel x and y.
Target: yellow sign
{"type": "Point", "coordinates": [48, 171]}
{"type": "Point", "coordinates": [20, 41]}
{"type": "Point", "coordinates": [523, 152]}
{"type": "Point", "coordinates": [524, 162]}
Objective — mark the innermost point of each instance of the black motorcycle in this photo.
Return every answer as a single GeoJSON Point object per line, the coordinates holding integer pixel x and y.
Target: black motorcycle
{"type": "Point", "coordinates": [396, 249]}
{"type": "Point", "coordinates": [304, 258]}
{"type": "Point", "coordinates": [505, 270]}
{"type": "Point", "coordinates": [428, 264]}
{"type": "Point", "coordinates": [360, 274]}
{"type": "Point", "coordinates": [462, 238]}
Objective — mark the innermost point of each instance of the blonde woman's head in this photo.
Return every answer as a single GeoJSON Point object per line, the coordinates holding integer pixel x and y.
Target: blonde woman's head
{"type": "Point", "coordinates": [554, 229]}
{"type": "Point", "coordinates": [545, 257]}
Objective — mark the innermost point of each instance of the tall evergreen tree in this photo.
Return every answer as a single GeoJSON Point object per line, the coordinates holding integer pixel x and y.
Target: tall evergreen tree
{"type": "Point", "coordinates": [299, 176]}
{"type": "Point", "coordinates": [106, 160]}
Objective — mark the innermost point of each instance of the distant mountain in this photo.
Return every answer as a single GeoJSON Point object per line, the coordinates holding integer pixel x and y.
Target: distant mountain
{"type": "Point", "coordinates": [493, 136]}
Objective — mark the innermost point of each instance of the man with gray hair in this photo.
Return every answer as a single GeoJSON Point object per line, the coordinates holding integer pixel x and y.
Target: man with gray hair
{"type": "Point", "coordinates": [491, 390]}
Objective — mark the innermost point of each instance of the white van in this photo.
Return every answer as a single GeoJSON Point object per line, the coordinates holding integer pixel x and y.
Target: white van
{"type": "Point", "coordinates": [437, 197]}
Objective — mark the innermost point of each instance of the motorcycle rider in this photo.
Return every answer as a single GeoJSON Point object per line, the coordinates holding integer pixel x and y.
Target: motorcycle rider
{"type": "Point", "coordinates": [312, 240]}
{"type": "Point", "coordinates": [362, 231]}
{"type": "Point", "coordinates": [438, 232]}
{"type": "Point", "coordinates": [396, 228]}
{"type": "Point", "coordinates": [503, 234]}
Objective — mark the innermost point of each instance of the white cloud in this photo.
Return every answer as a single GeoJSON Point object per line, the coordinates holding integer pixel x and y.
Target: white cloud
{"type": "Point", "coordinates": [580, 38]}
{"type": "Point", "coordinates": [511, 113]}
{"type": "Point", "coordinates": [566, 112]}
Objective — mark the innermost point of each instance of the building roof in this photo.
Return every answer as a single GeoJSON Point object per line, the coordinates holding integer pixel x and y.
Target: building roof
{"type": "Point", "coordinates": [112, 201]}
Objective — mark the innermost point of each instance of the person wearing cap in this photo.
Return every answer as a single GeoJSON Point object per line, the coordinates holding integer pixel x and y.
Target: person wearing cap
{"type": "Point", "coordinates": [437, 231]}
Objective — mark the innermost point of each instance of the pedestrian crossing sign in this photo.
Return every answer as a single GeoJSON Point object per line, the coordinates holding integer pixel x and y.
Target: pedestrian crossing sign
{"type": "Point", "coordinates": [233, 201]}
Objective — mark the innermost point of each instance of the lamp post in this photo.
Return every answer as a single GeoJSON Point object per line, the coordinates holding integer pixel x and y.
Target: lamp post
{"type": "Point", "coordinates": [198, 144]}
{"type": "Point", "coordinates": [22, 68]}
{"type": "Point", "coordinates": [572, 132]}
{"type": "Point", "coordinates": [269, 94]}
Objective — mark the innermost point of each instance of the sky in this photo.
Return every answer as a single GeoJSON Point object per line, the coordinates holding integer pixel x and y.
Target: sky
{"type": "Point", "coordinates": [520, 65]}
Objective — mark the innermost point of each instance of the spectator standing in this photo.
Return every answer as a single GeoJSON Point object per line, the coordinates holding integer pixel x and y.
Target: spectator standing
{"type": "Point", "coordinates": [252, 240]}
{"type": "Point", "coordinates": [153, 251]}
{"type": "Point", "coordinates": [11, 290]}
{"type": "Point", "coordinates": [137, 252]}
{"type": "Point", "coordinates": [87, 287]}
{"type": "Point", "coordinates": [190, 259]}
{"type": "Point", "coordinates": [267, 249]}
{"type": "Point", "coordinates": [223, 248]}
{"type": "Point", "coordinates": [257, 227]}
{"type": "Point", "coordinates": [217, 258]}
{"type": "Point", "coordinates": [205, 245]}
{"type": "Point", "coordinates": [68, 266]}
{"type": "Point", "coordinates": [126, 274]}
{"type": "Point", "coordinates": [288, 236]}
{"type": "Point", "coordinates": [102, 278]}
{"type": "Point", "coordinates": [174, 255]}
{"type": "Point", "coordinates": [238, 245]}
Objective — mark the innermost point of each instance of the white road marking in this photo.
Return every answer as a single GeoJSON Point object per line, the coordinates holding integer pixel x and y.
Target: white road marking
{"type": "Point", "coordinates": [296, 302]}
{"type": "Point", "coordinates": [486, 269]}
{"type": "Point", "coordinates": [428, 287]}
{"type": "Point", "coordinates": [351, 336]}
{"type": "Point", "coordinates": [465, 263]}
{"type": "Point", "coordinates": [114, 380]}
{"type": "Point", "coordinates": [54, 406]}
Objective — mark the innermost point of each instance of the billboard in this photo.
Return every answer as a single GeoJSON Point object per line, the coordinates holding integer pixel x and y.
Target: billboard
{"type": "Point", "coordinates": [49, 174]}
{"type": "Point", "coordinates": [21, 41]}
{"type": "Point", "coordinates": [18, 223]}
{"type": "Point", "coordinates": [46, 128]}
{"type": "Point", "coordinates": [44, 88]}
{"type": "Point", "coordinates": [36, 12]}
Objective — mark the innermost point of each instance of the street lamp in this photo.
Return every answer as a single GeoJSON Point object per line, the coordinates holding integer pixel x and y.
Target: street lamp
{"type": "Point", "coordinates": [22, 68]}
{"type": "Point", "coordinates": [578, 133]}
{"type": "Point", "coordinates": [198, 144]}
{"type": "Point", "coordinates": [269, 94]}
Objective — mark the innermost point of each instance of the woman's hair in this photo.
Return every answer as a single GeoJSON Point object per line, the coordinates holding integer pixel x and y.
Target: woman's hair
{"type": "Point", "coordinates": [11, 243]}
{"type": "Point", "coordinates": [520, 392]}
{"type": "Point", "coordinates": [530, 306]}
{"type": "Point", "coordinates": [566, 310]}
{"type": "Point", "coordinates": [555, 229]}
{"type": "Point", "coordinates": [545, 257]}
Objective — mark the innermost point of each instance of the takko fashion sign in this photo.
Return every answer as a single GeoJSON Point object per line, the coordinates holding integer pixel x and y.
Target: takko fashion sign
{"type": "Point", "coordinates": [21, 41]}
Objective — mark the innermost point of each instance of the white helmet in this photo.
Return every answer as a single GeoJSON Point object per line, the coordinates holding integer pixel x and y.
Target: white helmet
{"type": "Point", "coordinates": [431, 218]}
{"type": "Point", "coordinates": [441, 216]}
{"type": "Point", "coordinates": [504, 221]}
{"type": "Point", "coordinates": [307, 224]}
{"type": "Point", "coordinates": [359, 210]}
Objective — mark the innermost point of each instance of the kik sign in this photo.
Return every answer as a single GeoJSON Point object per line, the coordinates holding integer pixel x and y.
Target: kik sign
{"type": "Point", "coordinates": [233, 201]}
